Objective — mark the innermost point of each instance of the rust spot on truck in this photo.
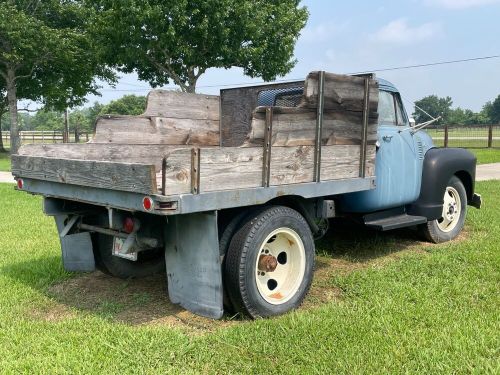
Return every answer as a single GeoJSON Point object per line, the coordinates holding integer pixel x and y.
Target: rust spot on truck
{"type": "Point", "coordinates": [276, 295]}
{"type": "Point", "coordinates": [267, 263]}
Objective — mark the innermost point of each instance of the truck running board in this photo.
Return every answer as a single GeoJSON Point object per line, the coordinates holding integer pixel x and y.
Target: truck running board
{"type": "Point", "coordinates": [394, 222]}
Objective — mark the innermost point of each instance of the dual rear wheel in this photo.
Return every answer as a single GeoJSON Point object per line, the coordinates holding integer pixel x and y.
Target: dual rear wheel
{"type": "Point", "coordinates": [269, 263]}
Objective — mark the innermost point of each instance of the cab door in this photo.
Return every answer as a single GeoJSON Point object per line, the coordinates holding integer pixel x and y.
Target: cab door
{"type": "Point", "coordinates": [396, 166]}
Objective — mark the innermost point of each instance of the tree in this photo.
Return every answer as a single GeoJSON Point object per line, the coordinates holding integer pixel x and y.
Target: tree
{"type": "Point", "coordinates": [434, 106]}
{"type": "Point", "coordinates": [126, 105]}
{"type": "Point", "coordinates": [47, 55]}
{"type": "Point", "coordinates": [492, 110]}
{"type": "Point", "coordinates": [3, 109]}
{"type": "Point", "coordinates": [178, 40]}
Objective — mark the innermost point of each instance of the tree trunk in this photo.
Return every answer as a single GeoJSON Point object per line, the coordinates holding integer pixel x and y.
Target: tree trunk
{"type": "Point", "coordinates": [77, 134]}
{"type": "Point", "coordinates": [2, 149]}
{"type": "Point", "coordinates": [15, 141]}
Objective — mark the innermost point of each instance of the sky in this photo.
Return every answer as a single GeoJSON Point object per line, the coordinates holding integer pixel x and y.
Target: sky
{"type": "Point", "coordinates": [353, 36]}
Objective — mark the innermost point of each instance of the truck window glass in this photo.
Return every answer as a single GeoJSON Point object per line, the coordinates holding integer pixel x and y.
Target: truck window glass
{"type": "Point", "coordinates": [401, 118]}
{"type": "Point", "coordinates": [386, 111]}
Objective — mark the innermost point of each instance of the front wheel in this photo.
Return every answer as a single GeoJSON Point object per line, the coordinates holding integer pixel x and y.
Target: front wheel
{"type": "Point", "coordinates": [269, 264]}
{"type": "Point", "coordinates": [450, 224]}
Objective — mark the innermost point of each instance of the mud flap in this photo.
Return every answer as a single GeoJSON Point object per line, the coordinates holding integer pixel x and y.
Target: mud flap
{"type": "Point", "coordinates": [77, 252]}
{"type": "Point", "coordinates": [193, 263]}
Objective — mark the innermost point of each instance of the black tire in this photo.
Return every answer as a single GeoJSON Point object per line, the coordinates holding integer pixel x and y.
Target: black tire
{"type": "Point", "coordinates": [148, 262]}
{"type": "Point", "coordinates": [244, 250]}
{"type": "Point", "coordinates": [433, 231]}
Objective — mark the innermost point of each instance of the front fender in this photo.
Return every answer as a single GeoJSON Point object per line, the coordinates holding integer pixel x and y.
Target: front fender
{"type": "Point", "coordinates": [440, 164]}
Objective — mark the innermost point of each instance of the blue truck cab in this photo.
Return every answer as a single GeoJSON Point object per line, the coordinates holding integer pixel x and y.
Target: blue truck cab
{"type": "Point", "coordinates": [416, 183]}
{"type": "Point", "coordinates": [400, 157]}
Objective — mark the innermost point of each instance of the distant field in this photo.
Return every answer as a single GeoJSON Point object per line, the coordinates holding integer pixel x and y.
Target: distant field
{"type": "Point", "coordinates": [465, 137]}
{"type": "Point", "coordinates": [486, 156]}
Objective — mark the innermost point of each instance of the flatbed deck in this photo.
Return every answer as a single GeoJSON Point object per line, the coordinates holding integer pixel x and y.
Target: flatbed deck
{"type": "Point", "coordinates": [178, 151]}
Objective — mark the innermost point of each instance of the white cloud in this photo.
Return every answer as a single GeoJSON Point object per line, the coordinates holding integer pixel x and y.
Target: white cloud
{"type": "Point", "coordinates": [399, 32]}
{"type": "Point", "coordinates": [460, 4]}
{"type": "Point", "coordinates": [323, 31]}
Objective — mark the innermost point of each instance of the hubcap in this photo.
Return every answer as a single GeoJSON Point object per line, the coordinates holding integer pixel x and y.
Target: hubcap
{"type": "Point", "coordinates": [451, 210]}
{"type": "Point", "coordinates": [280, 266]}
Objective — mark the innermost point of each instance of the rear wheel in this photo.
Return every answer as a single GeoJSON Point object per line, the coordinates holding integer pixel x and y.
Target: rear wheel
{"type": "Point", "coordinates": [269, 263]}
{"type": "Point", "coordinates": [148, 262]}
{"type": "Point", "coordinates": [450, 224]}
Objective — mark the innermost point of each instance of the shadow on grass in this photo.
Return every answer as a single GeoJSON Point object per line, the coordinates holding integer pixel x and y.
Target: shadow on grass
{"type": "Point", "coordinates": [356, 243]}
{"type": "Point", "coordinates": [346, 247]}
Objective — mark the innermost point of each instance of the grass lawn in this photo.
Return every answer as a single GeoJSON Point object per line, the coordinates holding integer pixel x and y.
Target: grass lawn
{"type": "Point", "coordinates": [485, 155]}
{"type": "Point", "coordinates": [4, 161]}
{"type": "Point", "coordinates": [381, 303]}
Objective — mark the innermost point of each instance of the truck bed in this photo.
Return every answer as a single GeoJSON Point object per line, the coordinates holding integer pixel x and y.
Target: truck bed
{"type": "Point", "coordinates": [324, 146]}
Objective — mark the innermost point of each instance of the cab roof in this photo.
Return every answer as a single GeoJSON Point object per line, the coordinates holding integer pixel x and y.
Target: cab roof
{"type": "Point", "coordinates": [386, 85]}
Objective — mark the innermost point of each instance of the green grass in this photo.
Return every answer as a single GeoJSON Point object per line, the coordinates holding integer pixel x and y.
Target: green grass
{"type": "Point", "coordinates": [485, 156]}
{"type": "Point", "coordinates": [403, 307]}
{"type": "Point", "coordinates": [4, 161]}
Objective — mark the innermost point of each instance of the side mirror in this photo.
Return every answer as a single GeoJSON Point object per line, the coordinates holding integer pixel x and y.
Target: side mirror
{"type": "Point", "coordinates": [412, 122]}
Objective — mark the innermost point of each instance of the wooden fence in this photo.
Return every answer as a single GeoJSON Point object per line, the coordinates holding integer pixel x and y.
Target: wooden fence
{"type": "Point", "coordinates": [46, 136]}
{"type": "Point", "coordinates": [466, 136]}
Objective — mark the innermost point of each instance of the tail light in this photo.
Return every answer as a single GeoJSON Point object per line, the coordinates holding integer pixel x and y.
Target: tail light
{"type": "Point", "coordinates": [20, 183]}
{"type": "Point", "coordinates": [147, 204]}
{"type": "Point", "coordinates": [128, 225]}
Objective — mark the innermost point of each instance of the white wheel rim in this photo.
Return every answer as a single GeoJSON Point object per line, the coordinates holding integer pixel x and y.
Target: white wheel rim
{"type": "Point", "coordinates": [280, 285]}
{"type": "Point", "coordinates": [452, 209]}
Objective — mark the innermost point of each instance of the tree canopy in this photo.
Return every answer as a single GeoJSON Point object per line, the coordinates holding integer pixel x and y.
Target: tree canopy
{"type": "Point", "coordinates": [435, 107]}
{"type": "Point", "coordinates": [126, 105]}
{"type": "Point", "coordinates": [178, 40]}
{"type": "Point", "coordinates": [492, 109]}
{"type": "Point", "coordinates": [47, 55]}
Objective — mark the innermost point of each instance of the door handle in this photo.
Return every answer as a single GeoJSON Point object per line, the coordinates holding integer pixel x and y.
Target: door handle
{"type": "Point", "coordinates": [387, 138]}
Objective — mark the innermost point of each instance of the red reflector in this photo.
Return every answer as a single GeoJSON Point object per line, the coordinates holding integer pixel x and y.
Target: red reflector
{"type": "Point", "coordinates": [147, 203]}
{"type": "Point", "coordinates": [20, 183]}
{"type": "Point", "coordinates": [128, 225]}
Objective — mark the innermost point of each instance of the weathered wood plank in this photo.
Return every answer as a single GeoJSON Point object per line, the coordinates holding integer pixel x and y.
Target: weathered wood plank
{"type": "Point", "coordinates": [297, 126]}
{"type": "Point", "coordinates": [371, 153]}
{"type": "Point", "coordinates": [182, 105]}
{"type": "Point", "coordinates": [156, 130]}
{"type": "Point", "coordinates": [100, 174]}
{"type": "Point", "coordinates": [292, 165]}
{"type": "Point", "coordinates": [230, 168]}
{"type": "Point", "coordinates": [341, 92]}
{"type": "Point", "coordinates": [177, 172]}
{"type": "Point", "coordinates": [342, 161]}
{"type": "Point", "coordinates": [142, 154]}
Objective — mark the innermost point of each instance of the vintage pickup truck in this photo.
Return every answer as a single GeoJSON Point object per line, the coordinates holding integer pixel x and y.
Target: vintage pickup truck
{"type": "Point", "coordinates": [229, 192]}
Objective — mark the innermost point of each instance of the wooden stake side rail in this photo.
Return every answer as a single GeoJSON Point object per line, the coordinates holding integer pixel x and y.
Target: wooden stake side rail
{"type": "Point", "coordinates": [131, 177]}
{"type": "Point", "coordinates": [232, 168]}
{"type": "Point", "coordinates": [174, 167]}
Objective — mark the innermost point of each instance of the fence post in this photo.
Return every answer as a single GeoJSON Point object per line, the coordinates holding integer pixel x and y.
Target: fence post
{"type": "Point", "coordinates": [490, 136]}
{"type": "Point", "coordinates": [446, 135]}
